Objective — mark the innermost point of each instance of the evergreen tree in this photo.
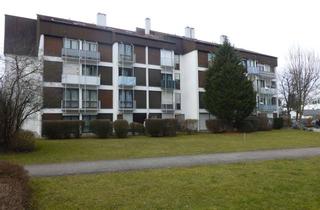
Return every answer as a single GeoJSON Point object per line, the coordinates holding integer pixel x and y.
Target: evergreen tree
{"type": "Point", "coordinates": [229, 93]}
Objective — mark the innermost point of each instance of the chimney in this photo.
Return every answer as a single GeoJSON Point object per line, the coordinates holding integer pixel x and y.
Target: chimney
{"type": "Point", "coordinates": [101, 19]}
{"type": "Point", "coordinates": [223, 38]}
{"type": "Point", "coordinates": [192, 33]}
{"type": "Point", "coordinates": [187, 32]}
{"type": "Point", "coordinates": [147, 26]}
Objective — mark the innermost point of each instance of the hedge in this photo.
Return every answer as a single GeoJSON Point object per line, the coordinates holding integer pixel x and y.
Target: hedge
{"type": "Point", "coordinates": [190, 126]}
{"type": "Point", "coordinates": [23, 141]}
{"type": "Point", "coordinates": [101, 128]}
{"type": "Point", "coordinates": [277, 123]}
{"type": "Point", "coordinates": [216, 125]}
{"type": "Point", "coordinates": [61, 129]}
{"type": "Point", "coordinates": [15, 192]}
{"type": "Point", "coordinates": [137, 128]}
{"type": "Point", "coordinates": [161, 127]}
{"type": "Point", "coordinates": [121, 128]}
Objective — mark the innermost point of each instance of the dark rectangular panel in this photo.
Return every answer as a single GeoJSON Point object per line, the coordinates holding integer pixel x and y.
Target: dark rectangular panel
{"type": "Point", "coordinates": [105, 116]}
{"type": "Point", "coordinates": [139, 117]}
{"type": "Point", "coordinates": [140, 98]}
{"type": "Point", "coordinates": [50, 116]}
{"type": "Point", "coordinates": [52, 71]}
{"type": "Point", "coordinates": [203, 59]}
{"type": "Point", "coordinates": [105, 97]}
{"type": "Point", "coordinates": [154, 78]}
{"type": "Point", "coordinates": [53, 46]}
{"type": "Point", "coordinates": [105, 75]}
{"type": "Point", "coordinates": [202, 78]}
{"type": "Point", "coordinates": [154, 99]}
{"type": "Point", "coordinates": [105, 52]}
{"type": "Point", "coordinates": [140, 74]}
{"type": "Point", "coordinates": [201, 103]}
{"type": "Point", "coordinates": [140, 52]}
{"type": "Point", "coordinates": [52, 97]}
{"type": "Point", "coordinates": [154, 56]}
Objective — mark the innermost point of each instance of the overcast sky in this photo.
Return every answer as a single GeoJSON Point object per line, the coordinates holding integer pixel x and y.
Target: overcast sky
{"type": "Point", "coordinates": [265, 26]}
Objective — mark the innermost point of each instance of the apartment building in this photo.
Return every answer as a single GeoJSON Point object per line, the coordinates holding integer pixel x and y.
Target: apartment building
{"type": "Point", "coordinates": [93, 71]}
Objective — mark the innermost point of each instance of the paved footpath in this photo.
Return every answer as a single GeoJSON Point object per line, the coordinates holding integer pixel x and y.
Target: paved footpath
{"type": "Point", "coordinates": [166, 162]}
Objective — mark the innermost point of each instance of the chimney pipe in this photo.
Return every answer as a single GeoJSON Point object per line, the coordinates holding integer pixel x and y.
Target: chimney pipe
{"type": "Point", "coordinates": [101, 19]}
{"type": "Point", "coordinates": [147, 26]}
{"type": "Point", "coordinates": [192, 35]}
{"type": "Point", "coordinates": [187, 32]}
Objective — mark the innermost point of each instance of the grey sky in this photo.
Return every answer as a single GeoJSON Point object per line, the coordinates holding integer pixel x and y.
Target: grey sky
{"type": "Point", "coordinates": [269, 27]}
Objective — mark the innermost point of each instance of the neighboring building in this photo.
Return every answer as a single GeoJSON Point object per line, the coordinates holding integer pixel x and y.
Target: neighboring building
{"type": "Point", "coordinates": [98, 72]}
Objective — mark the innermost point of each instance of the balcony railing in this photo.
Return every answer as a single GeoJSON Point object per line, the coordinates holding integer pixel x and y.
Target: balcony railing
{"type": "Point", "coordinates": [260, 70]}
{"type": "Point", "coordinates": [80, 54]}
{"type": "Point", "coordinates": [91, 105]}
{"type": "Point", "coordinates": [268, 91]}
{"type": "Point", "coordinates": [80, 79]}
{"type": "Point", "coordinates": [267, 108]}
{"type": "Point", "coordinates": [69, 104]}
{"type": "Point", "coordinates": [168, 84]}
{"type": "Point", "coordinates": [127, 105]}
{"type": "Point", "coordinates": [167, 108]}
{"type": "Point", "coordinates": [126, 60]}
{"type": "Point", "coordinates": [127, 81]}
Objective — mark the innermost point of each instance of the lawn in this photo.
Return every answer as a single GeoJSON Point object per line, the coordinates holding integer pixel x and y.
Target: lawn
{"type": "Point", "coordinates": [53, 151]}
{"type": "Point", "coordinates": [280, 184]}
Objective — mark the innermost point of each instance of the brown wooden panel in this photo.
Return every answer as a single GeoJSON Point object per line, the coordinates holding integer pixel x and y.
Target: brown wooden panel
{"type": "Point", "coordinates": [105, 75]}
{"type": "Point", "coordinates": [140, 98]}
{"type": "Point", "coordinates": [51, 116]}
{"type": "Point", "coordinates": [202, 78]}
{"type": "Point", "coordinates": [140, 74]}
{"type": "Point", "coordinates": [52, 71]}
{"type": "Point", "coordinates": [140, 52]}
{"type": "Point", "coordinates": [201, 102]}
{"type": "Point", "coordinates": [105, 52]}
{"type": "Point", "coordinates": [203, 59]}
{"type": "Point", "coordinates": [52, 97]}
{"type": "Point", "coordinates": [154, 77]}
{"type": "Point", "coordinates": [105, 97]}
{"type": "Point", "coordinates": [52, 46]}
{"type": "Point", "coordinates": [154, 99]}
{"type": "Point", "coordinates": [154, 56]}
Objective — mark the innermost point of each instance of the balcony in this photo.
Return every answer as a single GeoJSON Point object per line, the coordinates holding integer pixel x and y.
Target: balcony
{"type": "Point", "coordinates": [68, 105]}
{"type": "Point", "coordinates": [80, 79]}
{"type": "Point", "coordinates": [168, 84]}
{"type": "Point", "coordinates": [127, 106]}
{"type": "Point", "coordinates": [167, 108]}
{"type": "Point", "coordinates": [91, 105]}
{"type": "Point", "coordinates": [80, 54]}
{"type": "Point", "coordinates": [126, 60]}
{"type": "Point", "coordinates": [267, 108]}
{"type": "Point", "coordinates": [260, 71]}
{"type": "Point", "coordinates": [268, 91]}
{"type": "Point", "coordinates": [127, 81]}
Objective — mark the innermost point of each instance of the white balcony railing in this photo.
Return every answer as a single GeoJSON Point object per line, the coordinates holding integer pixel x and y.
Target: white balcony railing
{"type": "Point", "coordinates": [80, 79]}
{"type": "Point", "coordinates": [267, 108]}
{"type": "Point", "coordinates": [127, 81]}
{"type": "Point", "coordinates": [260, 70]}
{"type": "Point", "coordinates": [268, 91]}
{"type": "Point", "coordinates": [82, 54]}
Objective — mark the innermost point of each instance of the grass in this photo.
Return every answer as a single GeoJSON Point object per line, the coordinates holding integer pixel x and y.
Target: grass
{"type": "Point", "coordinates": [281, 184]}
{"type": "Point", "coordinates": [53, 151]}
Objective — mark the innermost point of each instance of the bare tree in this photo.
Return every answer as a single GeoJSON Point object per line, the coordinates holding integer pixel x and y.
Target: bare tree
{"type": "Point", "coordinates": [20, 94]}
{"type": "Point", "coordinates": [301, 79]}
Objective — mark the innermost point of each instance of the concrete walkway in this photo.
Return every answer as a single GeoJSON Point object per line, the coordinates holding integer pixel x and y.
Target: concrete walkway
{"type": "Point", "coordinates": [166, 162]}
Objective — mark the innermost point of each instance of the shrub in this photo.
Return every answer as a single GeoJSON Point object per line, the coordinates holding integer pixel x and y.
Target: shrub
{"type": "Point", "coordinates": [190, 126]}
{"type": "Point", "coordinates": [277, 123]}
{"type": "Point", "coordinates": [101, 128]}
{"type": "Point", "coordinates": [263, 124]}
{"type": "Point", "coordinates": [155, 127]}
{"type": "Point", "coordinates": [247, 126]}
{"type": "Point", "coordinates": [61, 129]}
{"type": "Point", "coordinates": [15, 190]}
{"type": "Point", "coordinates": [137, 128]}
{"type": "Point", "coordinates": [121, 128]}
{"type": "Point", "coordinates": [23, 141]}
{"type": "Point", "coordinates": [170, 127]}
{"type": "Point", "coordinates": [215, 126]}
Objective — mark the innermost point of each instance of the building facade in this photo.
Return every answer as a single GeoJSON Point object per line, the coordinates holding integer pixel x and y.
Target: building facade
{"type": "Point", "coordinates": [92, 71]}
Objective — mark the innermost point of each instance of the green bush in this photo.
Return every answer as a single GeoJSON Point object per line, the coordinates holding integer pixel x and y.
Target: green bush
{"type": "Point", "coordinates": [23, 141]}
{"type": "Point", "coordinates": [61, 129]}
{"type": "Point", "coordinates": [16, 192]}
{"type": "Point", "coordinates": [101, 128]}
{"type": "Point", "coordinates": [190, 126]}
{"type": "Point", "coordinates": [277, 123]}
{"type": "Point", "coordinates": [216, 125]}
{"type": "Point", "coordinates": [170, 127]}
{"type": "Point", "coordinates": [136, 128]}
{"type": "Point", "coordinates": [121, 128]}
{"type": "Point", "coordinates": [263, 124]}
{"type": "Point", "coordinates": [155, 127]}
{"type": "Point", "coordinates": [247, 126]}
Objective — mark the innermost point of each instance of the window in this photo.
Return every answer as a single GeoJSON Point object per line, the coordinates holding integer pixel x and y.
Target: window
{"type": "Point", "coordinates": [89, 70]}
{"type": "Point", "coordinates": [89, 46]}
{"type": "Point", "coordinates": [166, 77]}
{"type": "Point", "coordinates": [177, 61]}
{"type": "Point", "coordinates": [177, 79]}
{"type": "Point", "coordinates": [167, 58]}
{"type": "Point", "coordinates": [211, 57]}
{"type": "Point", "coordinates": [71, 44]}
{"type": "Point", "coordinates": [89, 99]}
{"type": "Point", "coordinates": [274, 101]}
{"type": "Point", "coordinates": [125, 98]}
{"type": "Point", "coordinates": [273, 84]}
{"type": "Point", "coordinates": [71, 98]}
{"type": "Point", "coordinates": [125, 50]}
{"type": "Point", "coordinates": [125, 72]}
{"type": "Point", "coordinates": [262, 101]}
{"type": "Point", "coordinates": [178, 100]}
{"type": "Point", "coordinates": [262, 83]}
